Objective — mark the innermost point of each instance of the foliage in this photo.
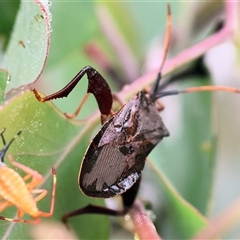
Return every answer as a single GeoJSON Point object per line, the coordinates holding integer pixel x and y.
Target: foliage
{"type": "Point", "coordinates": [186, 172]}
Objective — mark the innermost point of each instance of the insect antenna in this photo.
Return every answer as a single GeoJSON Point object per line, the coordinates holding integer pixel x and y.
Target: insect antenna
{"type": "Point", "coordinates": [6, 146]}
{"type": "Point", "coordinates": [156, 92]}
{"type": "Point", "coordinates": [165, 51]}
{"type": "Point", "coordinates": [209, 88]}
{"type": "Point", "coordinates": [197, 89]}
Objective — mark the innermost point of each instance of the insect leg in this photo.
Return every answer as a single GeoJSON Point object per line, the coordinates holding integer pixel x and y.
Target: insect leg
{"type": "Point", "coordinates": [94, 209]}
{"type": "Point", "coordinates": [37, 178]}
{"type": "Point", "coordinates": [48, 214]}
{"type": "Point", "coordinates": [97, 85]}
{"type": "Point", "coordinates": [6, 204]}
{"type": "Point", "coordinates": [3, 138]}
{"type": "Point", "coordinates": [128, 199]}
{"type": "Point", "coordinates": [35, 221]}
{"type": "Point", "coordinates": [42, 193]}
{"type": "Point", "coordinates": [77, 111]}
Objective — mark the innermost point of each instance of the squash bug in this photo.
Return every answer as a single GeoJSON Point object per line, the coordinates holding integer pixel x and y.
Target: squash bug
{"type": "Point", "coordinates": [17, 191]}
{"type": "Point", "coordinates": [115, 158]}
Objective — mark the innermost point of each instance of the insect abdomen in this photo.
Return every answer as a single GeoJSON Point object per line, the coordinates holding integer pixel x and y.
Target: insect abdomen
{"type": "Point", "coordinates": [14, 190]}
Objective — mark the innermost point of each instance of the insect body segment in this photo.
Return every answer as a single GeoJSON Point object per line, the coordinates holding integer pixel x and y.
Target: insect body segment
{"type": "Point", "coordinates": [18, 191]}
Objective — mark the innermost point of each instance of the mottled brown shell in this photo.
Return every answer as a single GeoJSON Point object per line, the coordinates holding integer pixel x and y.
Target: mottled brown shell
{"type": "Point", "coordinates": [116, 156]}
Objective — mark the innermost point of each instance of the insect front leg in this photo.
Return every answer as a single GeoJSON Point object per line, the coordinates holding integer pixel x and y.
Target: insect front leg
{"type": "Point", "coordinates": [97, 85]}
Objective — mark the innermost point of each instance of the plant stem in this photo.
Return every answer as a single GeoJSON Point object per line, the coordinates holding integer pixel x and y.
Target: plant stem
{"type": "Point", "coordinates": [189, 54]}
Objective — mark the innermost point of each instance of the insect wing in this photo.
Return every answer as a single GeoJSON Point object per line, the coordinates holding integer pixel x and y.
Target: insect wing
{"type": "Point", "coordinates": [102, 167]}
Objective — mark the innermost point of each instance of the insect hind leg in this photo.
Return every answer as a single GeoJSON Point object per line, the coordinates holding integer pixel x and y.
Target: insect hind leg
{"type": "Point", "coordinates": [128, 199]}
{"type": "Point", "coordinates": [35, 221]}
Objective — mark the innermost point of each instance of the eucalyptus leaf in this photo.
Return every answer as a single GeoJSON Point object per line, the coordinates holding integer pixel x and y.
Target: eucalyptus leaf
{"type": "Point", "coordinates": [28, 47]}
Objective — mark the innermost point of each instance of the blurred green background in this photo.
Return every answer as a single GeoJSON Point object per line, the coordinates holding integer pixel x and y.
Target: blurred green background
{"type": "Point", "coordinates": [200, 158]}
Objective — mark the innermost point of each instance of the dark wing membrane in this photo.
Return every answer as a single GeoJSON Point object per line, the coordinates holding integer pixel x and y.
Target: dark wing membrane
{"type": "Point", "coordinates": [90, 156]}
{"type": "Point", "coordinates": [115, 168]}
{"type": "Point", "coordinates": [110, 175]}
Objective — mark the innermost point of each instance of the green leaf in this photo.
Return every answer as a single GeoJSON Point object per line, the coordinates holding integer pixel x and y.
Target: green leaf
{"type": "Point", "coordinates": [48, 139]}
{"type": "Point", "coordinates": [118, 11]}
{"type": "Point", "coordinates": [4, 77]}
{"type": "Point", "coordinates": [187, 160]}
{"type": "Point", "coordinates": [71, 35]}
{"type": "Point", "coordinates": [28, 47]}
{"type": "Point", "coordinates": [8, 10]}
{"type": "Point", "coordinates": [184, 162]}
